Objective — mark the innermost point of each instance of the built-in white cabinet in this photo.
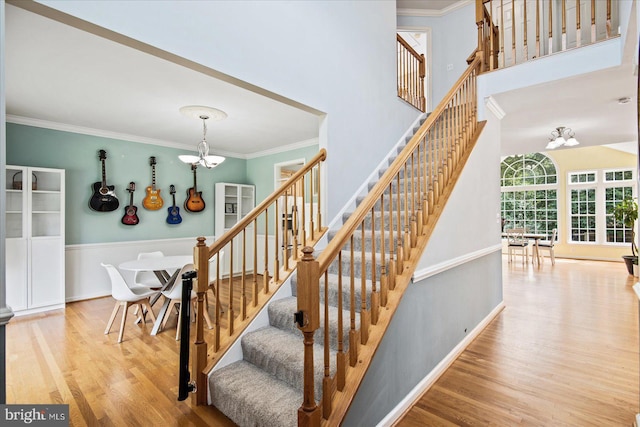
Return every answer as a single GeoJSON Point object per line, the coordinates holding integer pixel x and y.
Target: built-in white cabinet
{"type": "Point", "coordinates": [34, 239]}
{"type": "Point", "coordinates": [232, 203]}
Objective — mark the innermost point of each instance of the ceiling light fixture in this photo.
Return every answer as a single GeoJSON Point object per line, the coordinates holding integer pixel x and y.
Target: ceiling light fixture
{"type": "Point", "coordinates": [203, 158]}
{"type": "Point", "coordinates": [562, 136]}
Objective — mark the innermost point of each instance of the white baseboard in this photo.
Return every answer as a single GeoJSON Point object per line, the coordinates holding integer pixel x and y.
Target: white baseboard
{"type": "Point", "coordinates": [436, 372]}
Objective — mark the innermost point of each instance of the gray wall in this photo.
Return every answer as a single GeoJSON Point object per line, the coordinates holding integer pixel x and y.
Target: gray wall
{"type": "Point", "coordinates": [433, 317]}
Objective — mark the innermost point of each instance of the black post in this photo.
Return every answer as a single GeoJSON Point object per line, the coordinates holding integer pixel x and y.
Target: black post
{"type": "Point", "coordinates": [185, 385]}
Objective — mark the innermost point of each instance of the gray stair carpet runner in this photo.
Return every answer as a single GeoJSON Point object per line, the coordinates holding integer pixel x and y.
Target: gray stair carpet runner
{"type": "Point", "coordinates": [266, 387]}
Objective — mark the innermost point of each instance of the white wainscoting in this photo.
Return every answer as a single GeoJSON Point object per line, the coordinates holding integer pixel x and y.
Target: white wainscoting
{"type": "Point", "coordinates": [86, 279]}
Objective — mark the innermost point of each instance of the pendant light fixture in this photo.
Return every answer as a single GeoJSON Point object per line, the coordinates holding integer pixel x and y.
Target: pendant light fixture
{"type": "Point", "coordinates": [203, 158]}
{"type": "Point", "coordinates": [561, 136]}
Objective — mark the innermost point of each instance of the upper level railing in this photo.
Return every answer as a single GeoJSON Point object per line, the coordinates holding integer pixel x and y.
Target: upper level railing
{"type": "Point", "coordinates": [246, 265]}
{"type": "Point", "coordinates": [369, 262]}
{"type": "Point", "coordinates": [511, 32]}
{"type": "Point", "coordinates": [411, 72]}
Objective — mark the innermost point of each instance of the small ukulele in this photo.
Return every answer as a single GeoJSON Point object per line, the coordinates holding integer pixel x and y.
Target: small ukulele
{"type": "Point", "coordinates": [174, 211]}
{"type": "Point", "coordinates": [104, 197]}
{"type": "Point", "coordinates": [152, 201]}
{"type": "Point", "coordinates": [130, 212]}
{"type": "Point", "coordinates": [194, 202]}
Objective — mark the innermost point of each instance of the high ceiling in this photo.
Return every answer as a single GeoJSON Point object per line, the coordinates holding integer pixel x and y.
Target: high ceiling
{"type": "Point", "coordinates": [59, 75]}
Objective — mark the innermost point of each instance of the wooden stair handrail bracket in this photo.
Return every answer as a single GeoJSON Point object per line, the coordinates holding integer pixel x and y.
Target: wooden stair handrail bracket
{"type": "Point", "coordinates": [303, 187]}
{"type": "Point", "coordinates": [395, 220]}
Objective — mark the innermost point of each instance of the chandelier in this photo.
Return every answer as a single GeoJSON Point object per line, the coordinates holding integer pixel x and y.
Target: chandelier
{"type": "Point", "coordinates": [203, 158]}
{"type": "Point", "coordinates": [561, 136]}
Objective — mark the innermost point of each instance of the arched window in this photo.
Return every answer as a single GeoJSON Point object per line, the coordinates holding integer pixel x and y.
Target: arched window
{"type": "Point", "coordinates": [529, 193]}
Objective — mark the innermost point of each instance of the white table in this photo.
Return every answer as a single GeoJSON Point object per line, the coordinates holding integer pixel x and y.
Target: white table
{"type": "Point", "coordinates": [161, 267]}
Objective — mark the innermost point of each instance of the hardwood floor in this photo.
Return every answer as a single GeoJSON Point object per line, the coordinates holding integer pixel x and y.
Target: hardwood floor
{"type": "Point", "coordinates": [63, 356]}
{"type": "Point", "coordinates": [564, 352]}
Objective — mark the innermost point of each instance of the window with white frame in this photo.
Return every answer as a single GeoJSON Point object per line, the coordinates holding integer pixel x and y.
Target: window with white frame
{"type": "Point", "coordinates": [592, 197]}
{"type": "Point", "coordinates": [529, 189]}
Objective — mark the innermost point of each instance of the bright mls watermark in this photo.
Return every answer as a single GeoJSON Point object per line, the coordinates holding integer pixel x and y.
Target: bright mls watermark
{"type": "Point", "coordinates": [37, 415]}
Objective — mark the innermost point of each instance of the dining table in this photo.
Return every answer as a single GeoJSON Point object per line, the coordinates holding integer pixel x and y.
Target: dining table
{"type": "Point", "coordinates": [166, 269]}
{"type": "Point", "coordinates": [536, 237]}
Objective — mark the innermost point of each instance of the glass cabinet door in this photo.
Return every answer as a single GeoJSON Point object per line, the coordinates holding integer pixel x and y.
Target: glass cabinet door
{"type": "Point", "coordinates": [45, 203]}
{"type": "Point", "coordinates": [16, 200]}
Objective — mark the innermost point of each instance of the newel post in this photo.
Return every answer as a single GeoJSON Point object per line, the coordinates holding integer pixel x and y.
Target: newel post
{"type": "Point", "coordinates": [480, 24]}
{"type": "Point", "coordinates": [308, 319]}
{"type": "Point", "coordinates": [199, 352]}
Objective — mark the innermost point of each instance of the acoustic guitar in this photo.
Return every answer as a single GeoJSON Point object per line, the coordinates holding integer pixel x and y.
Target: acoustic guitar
{"type": "Point", "coordinates": [174, 211]}
{"type": "Point", "coordinates": [194, 202]}
{"type": "Point", "coordinates": [131, 212]}
{"type": "Point", "coordinates": [104, 197]}
{"type": "Point", "coordinates": [152, 200]}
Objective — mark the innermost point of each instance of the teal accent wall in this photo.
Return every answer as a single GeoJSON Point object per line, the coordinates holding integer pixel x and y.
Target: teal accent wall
{"type": "Point", "coordinates": [126, 161]}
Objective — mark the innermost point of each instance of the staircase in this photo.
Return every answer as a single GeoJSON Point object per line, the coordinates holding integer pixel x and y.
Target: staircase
{"type": "Point", "coordinates": [265, 388]}
{"type": "Point", "coordinates": [347, 297]}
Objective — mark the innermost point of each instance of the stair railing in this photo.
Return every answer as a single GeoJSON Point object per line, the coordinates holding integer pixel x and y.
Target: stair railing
{"type": "Point", "coordinates": [405, 203]}
{"type": "Point", "coordinates": [550, 25]}
{"type": "Point", "coordinates": [411, 72]}
{"type": "Point", "coordinates": [280, 225]}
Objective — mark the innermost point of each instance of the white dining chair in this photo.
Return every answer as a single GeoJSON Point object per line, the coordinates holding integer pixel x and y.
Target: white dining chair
{"type": "Point", "coordinates": [175, 296]}
{"type": "Point", "coordinates": [517, 242]}
{"type": "Point", "coordinates": [147, 279]}
{"type": "Point", "coordinates": [126, 297]}
{"type": "Point", "coordinates": [547, 245]}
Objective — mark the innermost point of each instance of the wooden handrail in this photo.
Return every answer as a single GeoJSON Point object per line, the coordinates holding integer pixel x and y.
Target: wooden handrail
{"type": "Point", "coordinates": [332, 249]}
{"type": "Point", "coordinates": [409, 193]}
{"type": "Point", "coordinates": [221, 241]}
{"type": "Point", "coordinates": [406, 45]}
{"type": "Point", "coordinates": [238, 318]}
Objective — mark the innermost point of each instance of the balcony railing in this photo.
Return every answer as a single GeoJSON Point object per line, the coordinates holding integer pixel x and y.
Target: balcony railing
{"type": "Point", "coordinates": [511, 32]}
{"type": "Point", "coordinates": [411, 72]}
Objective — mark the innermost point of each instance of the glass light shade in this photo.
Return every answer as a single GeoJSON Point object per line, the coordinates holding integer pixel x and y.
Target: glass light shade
{"type": "Point", "coordinates": [571, 142]}
{"type": "Point", "coordinates": [187, 158]}
{"type": "Point", "coordinates": [553, 144]}
{"type": "Point", "coordinates": [213, 161]}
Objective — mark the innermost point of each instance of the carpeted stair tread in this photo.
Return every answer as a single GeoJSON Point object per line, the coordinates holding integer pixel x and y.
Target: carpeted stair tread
{"type": "Point", "coordinates": [252, 398]}
{"type": "Point", "coordinates": [333, 290]}
{"type": "Point", "coordinates": [281, 354]}
{"type": "Point", "coordinates": [281, 316]}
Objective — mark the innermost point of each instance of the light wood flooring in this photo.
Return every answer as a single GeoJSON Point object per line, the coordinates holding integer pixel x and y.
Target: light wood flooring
{"type": "Point", "coordinates": [564, 352]}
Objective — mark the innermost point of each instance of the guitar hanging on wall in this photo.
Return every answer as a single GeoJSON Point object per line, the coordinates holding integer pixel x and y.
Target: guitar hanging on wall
{"type": "Point", "coordinates": [104, 198]}
{"type": "Point", "coordinates": [194, 202]}
{"type": "Point", "coordinates": [152, 201]}
{"type": "Point", "coordinates": [131, 212]}
{"type": "Point", "coordinates": [174, 211]}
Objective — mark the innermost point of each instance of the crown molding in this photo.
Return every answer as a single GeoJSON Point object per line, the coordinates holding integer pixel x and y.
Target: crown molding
{"type": "Point", "coordinates": [433, 12]}
{"type": "Point", "coordinates": [494, 107]}
{"type": "Point", "coordinates": [45, 124]}
{"type": "Point", "coordinates": [282, 149]}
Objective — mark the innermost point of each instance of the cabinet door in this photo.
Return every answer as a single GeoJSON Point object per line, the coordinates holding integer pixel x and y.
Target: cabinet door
{"type": "Point", "coordinates": [47, 264]}
{"type": "Point", "coordinates": [16, 273]}
{"type": "Point", "coordinates": [16, 202]}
